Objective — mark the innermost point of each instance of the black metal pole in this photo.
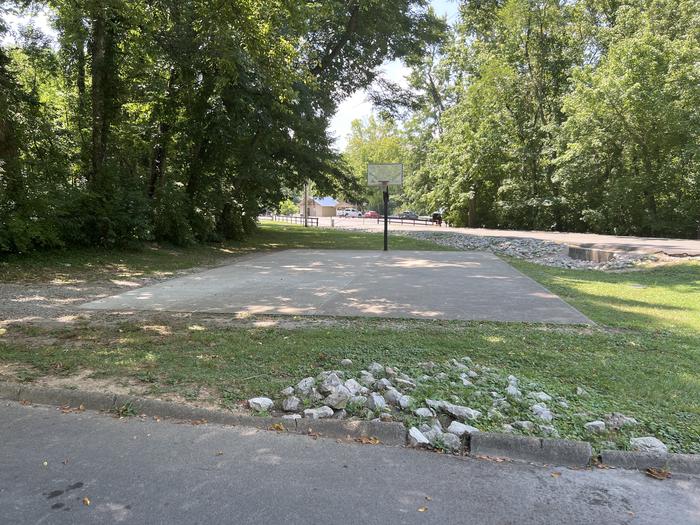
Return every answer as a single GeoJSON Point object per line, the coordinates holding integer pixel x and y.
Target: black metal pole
{"type": "Point", "coordinates": [386, 219]}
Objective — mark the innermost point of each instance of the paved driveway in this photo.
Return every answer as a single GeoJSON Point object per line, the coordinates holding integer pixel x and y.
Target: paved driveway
{"type": "Point", "coordinates": [400, 284]}
{"type": "Point", "coordinates": [135, 471]}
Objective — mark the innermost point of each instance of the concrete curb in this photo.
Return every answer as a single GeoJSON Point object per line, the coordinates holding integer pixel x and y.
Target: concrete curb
{"type": "Point", "coordinates": [391, 434]}
{"type": "Point", "coordinates": [559, 451]}
{"type": "Point", "coordinates": [682, 463]}
{"type": "Point", "coordinates": [539, 450]}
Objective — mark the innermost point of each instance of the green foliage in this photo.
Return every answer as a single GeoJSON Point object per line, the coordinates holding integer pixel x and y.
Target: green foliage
{"type": "Point", "coordinates": [287, 207]}
{"type": "Point", "coordinates": [180, 121]}
{"type": "Point", "coordinates": [578, 116]}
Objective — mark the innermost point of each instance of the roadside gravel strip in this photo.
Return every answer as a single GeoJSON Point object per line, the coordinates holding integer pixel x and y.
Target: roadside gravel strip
{"type": "Point", "coordinates": [486, 445]}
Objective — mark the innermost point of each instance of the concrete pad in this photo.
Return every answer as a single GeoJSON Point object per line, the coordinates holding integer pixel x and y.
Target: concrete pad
{"type": "Point", "coordinates": [400, 284]}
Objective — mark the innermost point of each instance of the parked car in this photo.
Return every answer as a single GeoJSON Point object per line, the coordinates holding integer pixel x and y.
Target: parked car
{"type": "Point", "coordinates": [408, 215]}
{"type": "Point", "coordinates": [371, 214]}
{"type": "Point", "coordinates": [348, 212]}
{"type": "Point", "coordinates": [437, 218]}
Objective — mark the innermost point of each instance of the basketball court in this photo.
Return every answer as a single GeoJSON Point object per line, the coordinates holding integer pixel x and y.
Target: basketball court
{"type": "Point", "coordinates": [395, 284]}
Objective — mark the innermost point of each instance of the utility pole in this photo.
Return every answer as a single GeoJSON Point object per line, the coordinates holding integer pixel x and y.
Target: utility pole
{"type": "Point", "coordinates": [306, 205]}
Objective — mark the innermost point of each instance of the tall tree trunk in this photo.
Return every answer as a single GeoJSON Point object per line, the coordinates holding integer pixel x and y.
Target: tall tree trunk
{"type": "Point", "coordinates": [160, 144]}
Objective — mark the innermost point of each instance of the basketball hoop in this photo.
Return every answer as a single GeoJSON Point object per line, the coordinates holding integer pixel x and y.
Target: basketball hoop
{"type": "Point", "coordinates": [384, 175]}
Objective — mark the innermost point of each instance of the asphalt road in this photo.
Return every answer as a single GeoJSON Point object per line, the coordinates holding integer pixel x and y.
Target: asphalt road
{"type": "Point", "coordinates": [144, 471]}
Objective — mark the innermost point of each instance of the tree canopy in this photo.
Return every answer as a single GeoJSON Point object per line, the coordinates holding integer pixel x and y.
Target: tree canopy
{"type": "Point", "coordinates": [180, 121]}
{"type": "Point", "coordinates": [569, 115]}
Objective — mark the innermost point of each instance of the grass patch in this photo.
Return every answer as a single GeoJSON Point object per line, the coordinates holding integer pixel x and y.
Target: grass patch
{"type": "Point", "coordinates": [642, 360]}
{"type": "Point", "coordinates": [155, 260]}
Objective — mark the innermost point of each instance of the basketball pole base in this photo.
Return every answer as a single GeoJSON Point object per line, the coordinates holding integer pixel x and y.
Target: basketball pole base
{"type": "Point", "coordinates": [386, 218]}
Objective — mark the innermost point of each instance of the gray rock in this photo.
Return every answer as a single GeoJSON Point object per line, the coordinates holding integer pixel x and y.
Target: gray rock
{"type": "Point", "coordinates": [451, 442]}
{"type": "Point", "coordinates": [385, 417]}
{"type": "Point", "coordinates": [512, 380]}
{"type": "Point", "coordinates": [424, 412]}
{"type": "Point", "coordinates": [467, 360]}
{"type": "Point", "coordinates": [340, 414]}
{"type": "Point", "coordinates": [390, 371]}
{"type": "Point", "coordinates": [595, 427]}
{"type": "Point", "coordinates": [562, 403]}
{"type": "Point", "coordinates": [346, 362]}
{"type": "Point", "coordinates": [305, 386]}
{"type": "Point", "coordinates": [460, 429]}
{"type": "Point", "coordinates": [375, 401]}
{"type": "Point", "coordinates": [358, 401]}
{"type": "Point", "coordinates": [353, 386]}
{"type": "Point", "coordinates": [338, 398]}
{"type": "Point", "coordinates": [286, 392]}
{"type": "Point", "coordinates": [318, 413]}
{"type": "Point", "coordinates": [291, 404]}
{"type": "Point", "coordinates": [541, 396]}
{"type": "Point", "coordinates": [320, 378]}
{"type": "Point", "coordinates": [508, 429]}
{"type": "Point", "coordinates": [291, 416]}
{"type": "Point", "coordinates": [392, 396]}
{"type": "Point", "coordinates": [542, 412]}
{"type": "Point", "coordinates": [466, 382]}
{"type": "Point", "coordinates": [648, 444]}
{"type": "Point", "coordinates": [435, 404]}
{"type": "Point", "coordinates": [472, 374]}
{"type": "Point", "coordinates": [330, 383]}
{"type": "Point", "coordinates": [367, 379]}
{"type": "Point", "coordinates": [383, 384]}
{"type": "Point", "coordinates": [376, 369]}
{"type": "Point", "coordinates": [405, 402]}
{"type": "Point", "coordinates": [461, 412]}
{"type": "Point", "coordinates": [416, 438]}
{"type": "Point", "coordinates": [260, 404]}
{"type": "Point", "coordinates": [442, 376]}
{"type": "Point", "coordinates": [524, 425]}
{"type": "Point", "coordinates": [617, 421]}
{"type": "Point", "coordinates": [549, 431]}
{"type": "Point", "coordinates": [581, 392]}
{"type": "Point", "coordinates": [457, 365]}
{"type": "Point", "coordinates": [428, 365]}
{"type": "Point", "coordinates": [315, 396]}
{"type": "Point", "coordinates": [513, 391]}
{"type": "Point", "coordinates": [404, 383]}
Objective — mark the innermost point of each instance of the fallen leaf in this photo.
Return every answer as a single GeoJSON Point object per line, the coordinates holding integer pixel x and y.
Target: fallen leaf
{"type": "Point", "coordinates": [25, 402]}
{"type": "Point", "coordinates": [368, 440]}
{"type": "Point", "coordinates": [422, 509]}
{"type": "Point", "coordinates": [658, 473]}
{"type": "Point", "coordinates": [428, 498]}
{"type": "Point", "coordinates": [86, 501]}
{"type": "Point", "coordinates": [219, 453]}
{"type": "Point", "coordinates": [199, 422]}
{"type": "Point", "coordinates": [556, 474]}
{"type": "Point", "coordinates": [279, 427]}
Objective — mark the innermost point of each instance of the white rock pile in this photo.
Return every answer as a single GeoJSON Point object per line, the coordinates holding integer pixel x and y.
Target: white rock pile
{"type": "Point", "coordinates": [443, 404]}
{"type": "Point", "coordinates": [534, 250]}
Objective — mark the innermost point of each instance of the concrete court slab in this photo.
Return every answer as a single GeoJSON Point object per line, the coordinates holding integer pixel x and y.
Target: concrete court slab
{"type": "Point", "coordinates": [398, 284]}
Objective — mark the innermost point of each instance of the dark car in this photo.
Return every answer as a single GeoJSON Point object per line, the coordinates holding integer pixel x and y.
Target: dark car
{"type": "Point", "coordinates": [408, 215]}
{"type": "Point", "coordinates": [437, 218]}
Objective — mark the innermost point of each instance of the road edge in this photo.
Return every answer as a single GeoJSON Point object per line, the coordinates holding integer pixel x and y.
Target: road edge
{"type": "Point", "coordinates": [480, 444]}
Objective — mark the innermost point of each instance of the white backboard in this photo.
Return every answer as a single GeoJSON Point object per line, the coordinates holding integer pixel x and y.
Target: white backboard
{"type": "Point", "coordinates": [385, 174]}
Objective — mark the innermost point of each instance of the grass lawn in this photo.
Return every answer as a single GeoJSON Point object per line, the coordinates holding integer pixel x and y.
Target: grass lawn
{"type": "Point", "coordinates": [642, 360]}
{"type": "Point", "coordinates": [92, 264]}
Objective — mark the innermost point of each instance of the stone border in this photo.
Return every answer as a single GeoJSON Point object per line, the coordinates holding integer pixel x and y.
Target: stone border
{"type": "Point", "coordinates": [392, 434]}
{"type": "Point", "coordinates": [681, 463]}
{"type": "Point", "coordinates": [540, 450]}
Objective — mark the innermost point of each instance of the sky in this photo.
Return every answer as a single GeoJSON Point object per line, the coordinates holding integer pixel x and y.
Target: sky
{"type": "Point", "coordinates": [353, 107]}
{"type": "Point", "coordinates": [358, 106]}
